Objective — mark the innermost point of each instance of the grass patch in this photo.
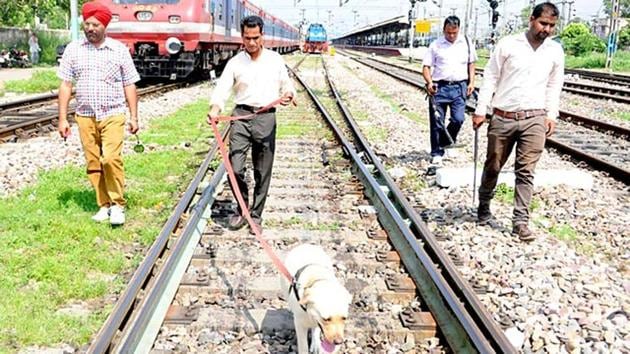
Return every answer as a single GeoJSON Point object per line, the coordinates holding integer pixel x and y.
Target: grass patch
{"type": "Point", "coordinates": [505, 194]}
{"type": "Point", "coordinates": [564, 232]}
{"type": "Point", "coordinates": [54, 255]}
{"type": "Point", "coordinates": [413, 181]}
{"type": "Point", "coordinates": [621, 61]}
{"type": "Point", "coordinates": [623, 116]}
{"type": "Point", "coordinates": [41, 81]}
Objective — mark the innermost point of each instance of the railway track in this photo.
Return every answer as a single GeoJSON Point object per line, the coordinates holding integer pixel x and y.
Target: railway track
{"type": "Point", "coordinates": [204, 288]}
{"type": "Point", "coordinates": [603, 145]}
{"type": "Point", "coordinates": [38, 115]}
{"type": "Point", "coordinates": [617, 94]}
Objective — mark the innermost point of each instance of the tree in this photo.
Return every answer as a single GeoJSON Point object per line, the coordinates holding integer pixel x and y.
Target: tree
{"type": "Point", "coordinates": [526, 13]}
{"type": "Point", "coordinates": [624, 7]}
{"type": "Point", "coordinates": [21, 13]}
{"type": "Point", "coordinates": [578, 39]}
{"type": "Point", "coordinates": [624, 37]}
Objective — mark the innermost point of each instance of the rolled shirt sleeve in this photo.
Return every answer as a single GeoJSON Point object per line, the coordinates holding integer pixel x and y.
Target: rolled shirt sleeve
{"type": "Point", "coordinates": [286, 84]}
{"type": "Point", "coordinates": [554, 86]}
{"type": "Point", "coordinates": [66, 71]}
{"type": "Point", "coordinates": [428, 56]}
{"type": "Point", "coordinates": [222, 91]}
{"type": "Point", "coordinates": [128, 70]}
{"type": "Point", "coordinates": [490, 78]}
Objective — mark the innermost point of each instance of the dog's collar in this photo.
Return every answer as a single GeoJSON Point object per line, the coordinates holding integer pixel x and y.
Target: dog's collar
{"type": "Point", "coordinates": [295, 285]}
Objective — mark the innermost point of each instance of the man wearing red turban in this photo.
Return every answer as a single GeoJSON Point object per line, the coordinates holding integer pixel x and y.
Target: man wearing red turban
{"type": "Point", "coordinates": [105, 79]}
{"type": "Point", "coordinates": [97, 10]}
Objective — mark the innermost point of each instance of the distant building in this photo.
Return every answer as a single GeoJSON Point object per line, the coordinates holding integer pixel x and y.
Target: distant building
{"type": "Point", "coordinates": [601, 26]}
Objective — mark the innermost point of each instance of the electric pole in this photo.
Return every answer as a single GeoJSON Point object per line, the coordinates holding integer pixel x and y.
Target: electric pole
{"type": "Point", "coordinates": [74, 20]}
{"type": "Point", "coordinates": [612, 37]}
{"type": "Point", "coordinates": [412, 28]}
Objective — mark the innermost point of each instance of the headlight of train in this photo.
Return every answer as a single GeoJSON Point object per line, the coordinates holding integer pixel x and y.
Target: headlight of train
{"type": "Point", "coordinates": [174, 19]}
{"type": "Point", "coordinates": [173, 45]}
{"type": "Point", "coordinates": [144, 15]}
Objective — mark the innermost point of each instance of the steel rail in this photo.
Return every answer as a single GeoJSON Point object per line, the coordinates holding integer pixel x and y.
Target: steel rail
{"type": "Point", "coordinates": [51, 118]}
{"type": "Point", "coordinates": [476, 321]}
{"type": "Point", "coordinates": [127, 303]}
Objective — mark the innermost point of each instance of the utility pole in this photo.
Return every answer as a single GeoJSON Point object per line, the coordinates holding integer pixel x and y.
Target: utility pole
{"type": "Point", "coordinates": [74, 20]}
{"type": "Point", "coordinates": [612, 37]}
{"type": "Point", "coordinates": [412, 28]}
{"type": "Point", "coordinates": [466, 18]}
{"type": "Point", "coordinates": [570, 11]}
{"type": "Point", "coordinates": [356, 14]}
{"type": "Point", "coordinates": [476, 20]}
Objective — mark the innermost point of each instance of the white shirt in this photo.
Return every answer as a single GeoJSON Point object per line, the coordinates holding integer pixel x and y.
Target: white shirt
{"type": "Point", "coordinates": [523, 78]}
{"type": "Point", "coordinates": [255, 83]}
{"type": "Point", "coordinates": [450, 60]}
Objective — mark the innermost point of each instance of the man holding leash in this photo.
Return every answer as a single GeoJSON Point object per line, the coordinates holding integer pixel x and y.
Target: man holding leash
{"type": "Point", "coordinates": [525, 74]}
{"type": "Point", "coordinates": [452, 81]}
{"type": "Point", "coordinates": [105, 75]}
{"type": "Point", "coordinates": [258, 77]}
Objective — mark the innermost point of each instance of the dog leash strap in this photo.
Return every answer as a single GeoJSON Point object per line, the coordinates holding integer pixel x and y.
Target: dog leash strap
{"type": "Point", "coordinates": [237, 192]}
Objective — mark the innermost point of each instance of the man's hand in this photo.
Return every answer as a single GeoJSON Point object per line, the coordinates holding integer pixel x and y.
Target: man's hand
{"type": "Point", "coordinates": [133, 125]}
{"type": "Point", "coordinates": [431, 89]}
{"type": "Point", "coordinates": [477, 121]}
{"type": "Point", "coordinates": [214, 112]}
{"type": "Point", "coordinates": [470, 89]}
{"type": "Point", "coordinates": [63, 128]}
{"type": "Point", "coordinates": [287, 98]}
{"type": "Point", "coordinates": [550, 125]}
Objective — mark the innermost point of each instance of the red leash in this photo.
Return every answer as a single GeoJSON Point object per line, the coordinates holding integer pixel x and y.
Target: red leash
{"type": "Point", "coordinates": [237, 191]}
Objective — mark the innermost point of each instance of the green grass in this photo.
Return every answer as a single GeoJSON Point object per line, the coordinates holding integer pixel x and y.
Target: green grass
{"type": "Point", "coordinates": [53, 255]}
{"type": "Point", "coordinates": [564, 232]}
{"type": "Point", "coordinates": [623, 115]}
{"type": "Point", "coordinates": [621, 61]}
{"type": "Point", "coordinates": [505, 194]}
{"type": "Point", "coordinates": [41, 81]}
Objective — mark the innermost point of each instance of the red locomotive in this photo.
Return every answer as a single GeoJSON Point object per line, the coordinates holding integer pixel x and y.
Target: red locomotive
{"type": "Point", "coordinates": [173, 38]}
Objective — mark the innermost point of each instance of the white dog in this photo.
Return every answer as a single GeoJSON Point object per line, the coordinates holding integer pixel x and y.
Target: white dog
{"type": "Point", "coordinates": [318, 300]}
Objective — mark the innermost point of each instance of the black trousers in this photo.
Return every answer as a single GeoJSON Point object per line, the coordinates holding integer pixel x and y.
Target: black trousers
{"type": "Point", "coordinates": [259, 134]}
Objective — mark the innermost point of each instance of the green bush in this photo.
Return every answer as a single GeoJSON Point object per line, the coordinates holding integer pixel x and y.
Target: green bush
{"type": "Point", "coordinates": [49, 42]}
{"type": "Point", "coordinates": [578, 40]}
{"type": "Point", "coordinates": [624, 37]}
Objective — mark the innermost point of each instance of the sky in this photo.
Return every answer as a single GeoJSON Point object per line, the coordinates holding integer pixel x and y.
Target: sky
{"type": "Point", "coordinates": [358, 13]}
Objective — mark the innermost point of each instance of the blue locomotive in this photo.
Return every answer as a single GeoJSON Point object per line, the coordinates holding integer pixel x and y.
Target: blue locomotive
{"type": "Point", "coordinates": [316, 40]}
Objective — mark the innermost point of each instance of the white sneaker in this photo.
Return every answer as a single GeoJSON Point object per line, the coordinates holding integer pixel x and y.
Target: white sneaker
{"type": "Point", "coordinates": [436, 160]}
{"type": "Point", "coordinates": [102, 215]}
{"type": "Point", "coordinates": [117, 215]}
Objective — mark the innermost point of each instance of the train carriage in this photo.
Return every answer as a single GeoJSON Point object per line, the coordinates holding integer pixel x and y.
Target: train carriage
{"type": "Point", "coordinates": [174, 38]}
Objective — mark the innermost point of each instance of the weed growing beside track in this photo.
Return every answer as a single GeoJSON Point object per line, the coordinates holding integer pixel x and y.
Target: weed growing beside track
{"type": "Point", "coordinates": [58, 267]}
{"type": "Point", "coordinates": [41, 81]}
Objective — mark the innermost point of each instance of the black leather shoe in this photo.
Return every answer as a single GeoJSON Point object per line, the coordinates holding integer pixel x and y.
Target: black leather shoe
{"type": "Point", "coordinates": [236, 222]}
{"type": "Point", "coordinates": [483, 213]}
{"type": "Point", "coordinates": [257, 224]}
{"type": "Point", "coordinates": [523, 232]}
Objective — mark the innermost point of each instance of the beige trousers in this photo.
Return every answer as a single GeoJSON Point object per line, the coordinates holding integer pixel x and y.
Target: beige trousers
{"type": "Point", "coordinates": [102, 144]}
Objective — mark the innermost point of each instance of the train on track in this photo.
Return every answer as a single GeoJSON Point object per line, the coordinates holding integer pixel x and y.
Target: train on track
{"type": "Point", "coordinates": [316, 40]}
{"type": "Point", "coordinates": [171, 39]}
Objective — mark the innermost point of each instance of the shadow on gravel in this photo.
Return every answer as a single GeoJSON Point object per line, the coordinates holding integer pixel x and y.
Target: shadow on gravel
{"type": "Point", "coordinates": [84, 198]}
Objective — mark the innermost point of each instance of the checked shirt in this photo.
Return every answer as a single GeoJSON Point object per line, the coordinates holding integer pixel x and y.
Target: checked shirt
{"type": "Point", "coordinates": [100, 75]}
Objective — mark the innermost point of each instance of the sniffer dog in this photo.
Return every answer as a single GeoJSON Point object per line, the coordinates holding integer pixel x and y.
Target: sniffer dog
{"type": "Point", "coordinates": [318, 300]}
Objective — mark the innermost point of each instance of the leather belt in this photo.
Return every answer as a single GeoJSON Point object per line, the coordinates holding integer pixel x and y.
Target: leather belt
{"type": "Point", "coordinates": [254, 109]}
{"type": "Point", "coordinates": [448, 83]}
{"type": "Point", "coordinates": [518, 115]}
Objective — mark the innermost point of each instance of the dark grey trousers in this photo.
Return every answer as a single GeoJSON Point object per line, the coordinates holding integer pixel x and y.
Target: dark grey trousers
{"type": "Point", "coordinates": [259, 134]}
{"type": "Point", "coordinates": [503, 134]}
